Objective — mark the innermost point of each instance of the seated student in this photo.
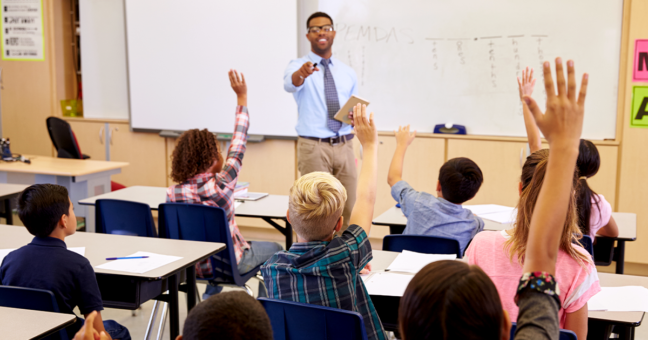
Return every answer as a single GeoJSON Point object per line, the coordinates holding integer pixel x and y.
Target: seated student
{"type": "Point", "coordinates": [455, 300]}
{"type": "Point", "coordinates": [459, 181]}
{"type": "Point", "coordinates": [45, 263]}
{"type": "Point", "coordinates": [594, 211]}
{"type": "Point", "coordinates": [501, 253]}
{"type": "Point", "coordinates": [321, 268]}
{"type": "Point", "coordinates": [203, 177]}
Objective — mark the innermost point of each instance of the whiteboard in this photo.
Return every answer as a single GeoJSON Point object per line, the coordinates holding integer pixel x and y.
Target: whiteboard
{"type": "Point", "coordinates": [427, 62]}
{"type": "Point", "coordinates": [179, 53]}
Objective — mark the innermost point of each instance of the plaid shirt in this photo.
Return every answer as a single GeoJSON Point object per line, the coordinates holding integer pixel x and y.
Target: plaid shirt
{"type": "Point", "coordinates": [218, 189]}
{"type": "Point", "coordinates": [326, 274]}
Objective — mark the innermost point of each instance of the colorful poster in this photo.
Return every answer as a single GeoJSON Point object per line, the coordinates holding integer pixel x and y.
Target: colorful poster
{"type": "Point", "coordinates": [640, 70]}
{"type": "Point", "coordinates": [639, 116]}
{"type": "Point", "coordinates": [22, 30]}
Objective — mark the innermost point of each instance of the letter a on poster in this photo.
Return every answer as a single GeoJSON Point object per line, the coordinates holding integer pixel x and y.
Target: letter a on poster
{"type": "Point", "coordinates": [22, 30]}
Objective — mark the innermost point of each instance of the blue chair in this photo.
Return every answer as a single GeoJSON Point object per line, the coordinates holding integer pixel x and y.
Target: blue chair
{"type": "Point", "coordinates": [587, 243]}
{"type": "Point", "coordinates": [124, 218]}
{"type": "Point", "coordinates": [34, 299]}
{"type": "Point", "coordinates": [295, 320]}
{"type": "Point", "coordinates": [422, 244]}
{"type": "Point", "coordinates": [198, 222]}
{"type": "Point", "coordinates": [564, 334]}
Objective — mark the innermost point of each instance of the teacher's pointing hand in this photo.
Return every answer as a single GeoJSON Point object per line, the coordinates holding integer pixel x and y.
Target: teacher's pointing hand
{"type": "Point", "coordinates": [304, 71]}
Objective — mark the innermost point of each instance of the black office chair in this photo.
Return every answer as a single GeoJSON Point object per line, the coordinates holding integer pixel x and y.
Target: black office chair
{"type": "Point", "coordinates": [64, 139]}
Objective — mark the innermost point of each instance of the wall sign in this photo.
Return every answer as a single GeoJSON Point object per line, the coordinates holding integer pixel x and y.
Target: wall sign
{"type": "Point", "coordinates": [22, 30]}
{"type": "Point", "coordinates": [639, 117]}
{"type": "Point", "coordinates": [640, 70]}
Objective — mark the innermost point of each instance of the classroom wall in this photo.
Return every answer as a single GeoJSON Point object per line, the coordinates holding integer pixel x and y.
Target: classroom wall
{"type": "Point", "coordinates": [32, 90]}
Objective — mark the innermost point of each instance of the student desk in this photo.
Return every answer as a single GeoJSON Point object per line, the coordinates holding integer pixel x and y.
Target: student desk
{"type": "Point", "coordinates": [269, 208]}
{"type": "Point", "coordinates": [627, 222]}
{"type": "Point", "coordinates": [18, 323]}
{"type": "Point", "coordinates": [625, 322]}
{"type": "Point", "coordinates": [7, 192]}
{"type": "Point", "coordinates": [129, 290]}
{"type": "Point", "coordinates": [82, 178]}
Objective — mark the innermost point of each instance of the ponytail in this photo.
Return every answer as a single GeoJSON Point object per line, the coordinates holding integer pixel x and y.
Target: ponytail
{"type": "Point", "coordinates": [588, 165]}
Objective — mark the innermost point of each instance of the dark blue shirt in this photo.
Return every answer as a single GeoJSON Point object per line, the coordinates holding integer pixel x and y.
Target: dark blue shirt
{"type": "Point", "coordinates": [46, 264]}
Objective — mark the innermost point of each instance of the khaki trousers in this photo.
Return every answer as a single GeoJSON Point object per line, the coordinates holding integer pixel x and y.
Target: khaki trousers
{"type": "Point", "coordinates": [338, 160]}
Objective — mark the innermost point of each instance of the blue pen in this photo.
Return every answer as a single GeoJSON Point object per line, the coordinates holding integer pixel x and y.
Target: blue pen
{"type": "Point", "coordinates": [126, 258]}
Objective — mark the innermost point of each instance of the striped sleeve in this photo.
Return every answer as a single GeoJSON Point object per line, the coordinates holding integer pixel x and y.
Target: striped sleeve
{"type": "Point", "coordinates": [237, 148]}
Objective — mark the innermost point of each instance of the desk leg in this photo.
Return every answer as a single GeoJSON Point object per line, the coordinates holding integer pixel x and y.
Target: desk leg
{"type": "Point", "coordinates": [289, 235]}
{"type": "Point", "coordinates": [191, 288]}
{"type": "Point", "coordinates": [174, 309]}
{"type": "Point", "coordinates": [8, 212]}
{"type": "Point", "coordinates": [620, 256]}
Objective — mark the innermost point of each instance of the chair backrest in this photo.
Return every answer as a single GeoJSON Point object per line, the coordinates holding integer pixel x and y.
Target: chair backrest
{"type": "Point", "coordinates": [587, 243]}
{"type": "Point", "coordinates": [604, 251]}
{"type": "Point", "coordinates": [63, 138]}
{"type": "Point", "coordinates": [124, 218]}
{"type": "Point", "coordinates": [294, 320]}
{"type": "Point", "coordinates": [28, 298]}
{"type": "Point", "coordinates": [422, 244]}
{"type": "Point", "coordinates": [564, 334]}
{"type": "Point", "coordinates": [198, 222]}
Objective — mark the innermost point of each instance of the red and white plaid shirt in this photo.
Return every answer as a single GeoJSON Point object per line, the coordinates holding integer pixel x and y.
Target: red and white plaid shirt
{"type": "Point", "coordinates": [218, 189]}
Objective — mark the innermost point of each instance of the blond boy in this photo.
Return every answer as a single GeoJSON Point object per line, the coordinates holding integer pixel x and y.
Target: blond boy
{"type": "Point", "coordinates": [321, 268]}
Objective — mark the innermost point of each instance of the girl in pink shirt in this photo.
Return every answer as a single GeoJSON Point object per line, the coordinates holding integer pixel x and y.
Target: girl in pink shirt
{"type": "Point", "coordinates": [501, 253]}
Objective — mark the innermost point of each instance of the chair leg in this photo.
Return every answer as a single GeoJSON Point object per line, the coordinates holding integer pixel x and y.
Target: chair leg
{"type": "Point", "coordinates": [263, 291]}
{"type": "Point", "coordinates": [154, 313]}
{"type": "Point", "coordinates": [165, 313]}
{"type": "Point", "coordinates": [249, 290]}
{"type": "Point", "coordinates": [198, 299]}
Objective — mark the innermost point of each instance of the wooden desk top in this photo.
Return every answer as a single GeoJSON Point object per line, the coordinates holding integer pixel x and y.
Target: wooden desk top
{"type": "Point", "coordinates": [271, 206]}
{"type": "Point", "coordinates": [627, 222]}
{"type": "Point", "coordinates": [101, 246]}
{"type": "Point", "coordinates": [7, 189]}
{"type": "Point", "coordinates": [31, 324]}
{"type": "Point", "coordinates": [382, 259]}
{"type": "Point", "coordinates": [60, 166]}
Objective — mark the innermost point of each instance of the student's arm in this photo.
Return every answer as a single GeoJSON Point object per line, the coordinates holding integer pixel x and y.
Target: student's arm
{"type": "Point", "coordinates": [97, 323]}
{"type": "Point", "coordinates": [525, 87]}
{"type": "Point", "coordinates": [89, 332]}
{"type": "Point", "coordinates": [562, 125]}
{"type": "Point", "coordinates": [577, 322]}
{"type": "Point", "coordinates": [403, 139]}
{"type": "Point", "coordinates": [237, 147]}
{"type": "Point", "coordinates": [610, 230]}
{"type": "Point", "coordinates": [365, 130]}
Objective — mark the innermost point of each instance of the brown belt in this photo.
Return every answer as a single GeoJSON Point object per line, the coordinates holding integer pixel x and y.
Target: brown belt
{"type": "Point", "coordinates": [331, 140]}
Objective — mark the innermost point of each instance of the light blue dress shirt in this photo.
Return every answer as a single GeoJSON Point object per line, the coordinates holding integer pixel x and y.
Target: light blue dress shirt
{"type": "Point", "coordinates": [434, 216]}
{"type": "Point", "coordinates": [311, 103]}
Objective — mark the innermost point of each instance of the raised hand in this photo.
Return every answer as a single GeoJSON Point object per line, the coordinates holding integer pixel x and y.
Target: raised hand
{"type": "Point", "coordinates": [403, 136]}
{"type": "Point", "coordinates": [525, 86]}
{"type": "Point", "coordinates": [239, 86]}
{"type": "Point", "coordinates": [364, 126]}
{"type": "Point", "coordinates": [562, 123]}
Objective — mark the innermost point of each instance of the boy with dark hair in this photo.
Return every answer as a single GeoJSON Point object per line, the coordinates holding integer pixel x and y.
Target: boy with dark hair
{"type": "Point", "coordinates": [231, 315]}
{"type": "Point", "coordinates": [459, 181]}
{"type": "Point", "coordinates": [321, 268]}
{"type": "Point", "coordinates": [45, 263]}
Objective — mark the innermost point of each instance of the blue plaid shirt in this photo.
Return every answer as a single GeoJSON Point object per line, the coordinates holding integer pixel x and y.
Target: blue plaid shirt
{"type": "Point", "coordinates": [326, 274]}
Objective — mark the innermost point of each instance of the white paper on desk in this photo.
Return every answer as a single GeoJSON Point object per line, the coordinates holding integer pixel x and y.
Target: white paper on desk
{"type": "Point", "coordinates": [411, 262]}
{"type": "Point", "coordinates": [620, 299]}
{"type": "Point", "coordinates": [502, 216]}
{"type": "Point", "coordinates": [481, 209]}
{"type": "Point", "coordinates": [387, 283]}
{"type": "Point", "coordinates": [139, 266]}
{"type": "Point", "coordinates": [78, 250]}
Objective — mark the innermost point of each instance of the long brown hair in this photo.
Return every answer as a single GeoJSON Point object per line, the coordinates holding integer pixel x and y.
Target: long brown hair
{"type": "Point", "coordinates": [588, 165]}
{"type": "Point", "coordinates": [533, 175]}
{"type": "Point", "coordinates": [451, 300]}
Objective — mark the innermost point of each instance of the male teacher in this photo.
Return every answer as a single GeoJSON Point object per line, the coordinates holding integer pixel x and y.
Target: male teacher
{"type": "Point", "coordinates": [321, 85]}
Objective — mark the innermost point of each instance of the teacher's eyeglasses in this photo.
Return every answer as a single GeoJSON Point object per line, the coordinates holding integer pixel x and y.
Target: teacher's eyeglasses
{"type": "Point", "coordinates": [317, 29]}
